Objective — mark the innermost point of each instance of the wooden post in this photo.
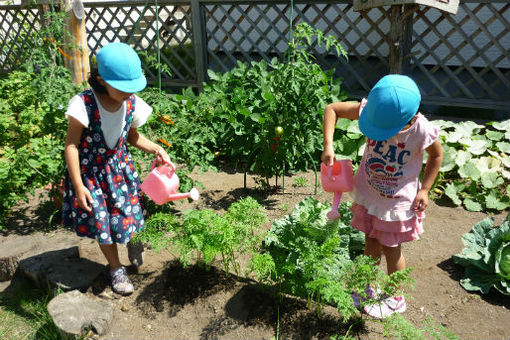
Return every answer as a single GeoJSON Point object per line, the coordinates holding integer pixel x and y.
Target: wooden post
{"type": "Point", "coordinates": [76, 54]}
{"type": "Point", "coordinates": [396, 34]}
{"type": "Point", "coordinates": [400, 36]}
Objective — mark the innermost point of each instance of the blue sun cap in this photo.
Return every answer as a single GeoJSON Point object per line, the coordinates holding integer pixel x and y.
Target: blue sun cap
{"type": "Point", "coordinates": [391, 104]}
{"type": "Point", "coordinates": [119, 66]}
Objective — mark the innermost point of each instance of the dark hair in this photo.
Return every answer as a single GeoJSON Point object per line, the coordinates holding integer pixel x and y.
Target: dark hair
{"type": "Point", "coordinates": [94, 83]}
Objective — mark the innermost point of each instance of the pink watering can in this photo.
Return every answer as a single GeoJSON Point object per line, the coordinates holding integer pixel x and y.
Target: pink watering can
{"type": "Point", "coordinates": [337, 178]}
{"type": "Point", "coordinates": [161, 185]}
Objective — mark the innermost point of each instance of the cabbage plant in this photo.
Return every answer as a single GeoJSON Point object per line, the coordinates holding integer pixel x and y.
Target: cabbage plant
{"type": "Point", "coordinates": [486, 257]}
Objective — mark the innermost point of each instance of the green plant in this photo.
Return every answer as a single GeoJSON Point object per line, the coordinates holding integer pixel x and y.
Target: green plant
{"type": "Point", "coordinates": [300, 182]}
{"type": "Point", "coordinates": [485, 257]}
{"type": "Point", "coordinates": [476, 165]}
{"type": "Point", "coordinates": [33, 99]}
{"type": "Point", "coordinates": [258, 116]}
{"type": "Point", "coordinates": [24, 310]}
{"type": "Point", "coordinates": [155, 233]}
{"type": "Point", "coordinates": [209, 235]}
{"type": "Point", "coordinates": [306, 242]}
{"type": "Point", "coordinates": [397, 327]}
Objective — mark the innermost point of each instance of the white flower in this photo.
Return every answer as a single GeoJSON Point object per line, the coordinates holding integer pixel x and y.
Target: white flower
{"type": "Point", "coordinates": [84, 161]}
{"type": "Point", "coordinates": [135, 174]}
{"type": "Point", "coordinates": [99, 192]}
{"type": "Point", "coordinates": [118, 205]}
{"type": "Point", "coordinates": [73, 214]}
{"type": "Point", "coordinates": [102, 150]}
{"type": "Point", "coordinates": [119, 236]}
{"type": "Point", "coordinates": [88, 139]}
{"type": "Point", "coordinates": [124, 187]}
{"type": "Point", "coordinates": [136, 209]}
{"type": "Point", "coordinates": [95, 204]}
{"type": "Point", "coordinates": [102, 214]}
{"type": "Point", "coordinates": [110, 160]}
{"type": "Point", "coordinates": [122, 165]}
{"type": "Point", "coordinates": [128, 209]}
{"type": "Point", "coordinates": [115, 220]}
{"type": "Point", "coordinates": [94, 168]}
{"type": "Point", "coordinates": [84, 215]}
{"type": "Point", "coordinates": [104, 236]}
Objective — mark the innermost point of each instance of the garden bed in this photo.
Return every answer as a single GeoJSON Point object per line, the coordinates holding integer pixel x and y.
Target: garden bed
{"type": "Point", "coordinates": [173, 302]}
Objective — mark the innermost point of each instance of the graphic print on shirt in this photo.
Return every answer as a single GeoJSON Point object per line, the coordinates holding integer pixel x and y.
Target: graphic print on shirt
{"type": "Point", "coordinates": [384, 165]}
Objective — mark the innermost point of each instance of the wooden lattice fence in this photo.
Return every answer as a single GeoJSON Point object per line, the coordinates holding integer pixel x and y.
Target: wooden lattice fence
{"type": "Point", "coordinates": [458, 60]}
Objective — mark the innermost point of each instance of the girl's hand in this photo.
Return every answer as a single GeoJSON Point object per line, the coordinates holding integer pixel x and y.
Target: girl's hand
{"type": "Point", "coordinates": [161, 156]}
{"type": "Point", "coordinates": [328, 155]}
{"type": "Point", "coordinates": [84, 198]}
{"type": "Point", "coordinates": [421, 201]}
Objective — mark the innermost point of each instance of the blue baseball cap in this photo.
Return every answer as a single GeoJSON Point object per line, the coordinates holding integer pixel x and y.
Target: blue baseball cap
{"type": "Point", "coordinates": [119, 65]}
{"type": "Point", "coordinates": [391, 104]}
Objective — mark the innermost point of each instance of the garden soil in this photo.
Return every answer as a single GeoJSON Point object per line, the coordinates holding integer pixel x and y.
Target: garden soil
{"type": "Point", "coordinates": [176, 302]}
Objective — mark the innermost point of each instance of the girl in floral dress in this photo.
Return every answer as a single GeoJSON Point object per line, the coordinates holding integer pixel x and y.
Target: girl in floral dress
{"type": "Point", "coordinates": [101, 198]}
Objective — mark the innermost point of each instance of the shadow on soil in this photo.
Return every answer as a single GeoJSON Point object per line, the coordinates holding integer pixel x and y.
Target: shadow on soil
{"type": "Point", "coordinates": [250, 305]}
{"type": "Point", "coordinates": [37, 215]}
{"type": "Point", "coordinates": [456, 273]}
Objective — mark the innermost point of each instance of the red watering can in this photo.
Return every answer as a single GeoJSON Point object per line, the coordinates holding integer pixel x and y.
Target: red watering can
{"type": "Point", "coordinates": [337, 178]}
{"type": "Point", "coordinates": [161, 185]}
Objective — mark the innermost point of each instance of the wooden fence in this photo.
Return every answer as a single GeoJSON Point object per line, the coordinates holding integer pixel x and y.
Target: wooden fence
{"type": "Point", "coordinates": [457, 60]}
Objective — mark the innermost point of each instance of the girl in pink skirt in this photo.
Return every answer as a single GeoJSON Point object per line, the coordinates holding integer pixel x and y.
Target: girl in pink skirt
{"type": "Point", "coordinates": [389, 200]}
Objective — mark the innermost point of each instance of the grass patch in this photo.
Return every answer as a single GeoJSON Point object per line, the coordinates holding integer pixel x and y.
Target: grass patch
{"type": "Point", "coordinates": [23, 313]}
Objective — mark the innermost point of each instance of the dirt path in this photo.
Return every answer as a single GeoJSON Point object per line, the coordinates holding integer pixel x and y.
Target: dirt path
{"type": "Point", "coordinates": [172, 302]}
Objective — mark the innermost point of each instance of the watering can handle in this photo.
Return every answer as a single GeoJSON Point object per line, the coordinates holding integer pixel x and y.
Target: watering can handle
{"type": "Point", "coordinates": [170, 164]}
{"type": "Point", "coordinates": [330, 174]}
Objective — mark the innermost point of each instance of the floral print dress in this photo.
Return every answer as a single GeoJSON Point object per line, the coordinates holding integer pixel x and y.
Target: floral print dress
{"type": "Point", "coordinates": [111, 178]}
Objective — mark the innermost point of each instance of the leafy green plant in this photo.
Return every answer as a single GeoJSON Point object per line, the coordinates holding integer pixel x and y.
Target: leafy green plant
{"type": "Point", "coordinates": [300, 182]}
{"type": "Point", "coordinates": [156, 231]}
{"type": "Point", "coordinates": [258, 116]}
{"type": "Point", "coordinates": [397, 327]}
{"type": "Point", "coordinates": [319, 259]}
{"type": "Point", "coordinates": [209, 235]}
{"type": "Point", "coordinates": [33, 100]}
{"type": "Point", "coordinates": [476, 164]}
{"type": "Point", "coordinates": [24, 313]}
{"type": "Point", "coordinates": [486, 257]}
{"type": "Point", "coordinates": [306, 243]}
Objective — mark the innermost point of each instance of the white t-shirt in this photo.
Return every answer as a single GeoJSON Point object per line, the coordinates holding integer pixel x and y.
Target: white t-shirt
{"type": "Point", "coordinates": [112, 123]}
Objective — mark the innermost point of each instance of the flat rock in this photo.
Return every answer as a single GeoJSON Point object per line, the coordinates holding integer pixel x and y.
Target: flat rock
{"type": "Point", "coordinates": [74, 313]}
{"type": "Point", "coordinates": [61, 268]}
{"type": "Point", "coordinates": [13, 249]}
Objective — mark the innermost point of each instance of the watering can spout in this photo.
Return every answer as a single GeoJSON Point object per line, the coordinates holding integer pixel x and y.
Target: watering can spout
{"type": "Point", "coordinates": [193, 194]}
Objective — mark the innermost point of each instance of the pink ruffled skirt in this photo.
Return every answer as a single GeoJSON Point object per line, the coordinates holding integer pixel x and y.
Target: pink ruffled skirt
{"type": "Point", "coordinates": [388, 233]}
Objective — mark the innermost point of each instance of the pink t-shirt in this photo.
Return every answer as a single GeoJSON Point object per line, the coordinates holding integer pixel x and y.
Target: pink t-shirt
{"type": "Point", "coordinates": [387, 179]}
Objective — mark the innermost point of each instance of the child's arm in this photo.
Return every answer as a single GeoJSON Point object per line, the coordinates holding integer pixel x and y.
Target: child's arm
{"type": "Point", "coordinates": [141, 142]}
{"type": "Point", "coordinates": [332, 112]}
{"type": "Point", "coordinates": [435, 152]}
{"type": "Point", "coordinates": [74, 131]}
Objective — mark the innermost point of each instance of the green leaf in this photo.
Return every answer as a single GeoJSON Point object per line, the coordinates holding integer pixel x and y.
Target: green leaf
{"type": "Point", "coordinates": [494, 135]}
{"type": "Point", "coordinates": [472, 205]}
{"type": "Point", "coordinates": [491, 179]}
{"type": "Point", "coordinates": [478, 280]}
{"type": "Point", "coordinates": [503, 147]}
{"type": "Point", "coordinates": [449, 158]}
{"type": "Point", "coordinates": [476, 147]}
{"type": "Point", "coordinates": [451, 192]}
{"type": "Point", "coordinates": [502, 126]}
{"type": "Point", "coordinates": [493, 202]}
{"type": "Point", "coordinates": [470, 170]}
{"type": "Point", "coordinates": [462, 157]}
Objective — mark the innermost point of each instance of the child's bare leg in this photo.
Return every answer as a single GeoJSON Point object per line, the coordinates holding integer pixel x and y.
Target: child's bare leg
{"type": "Point", "coordinates": [394, 259]}
{"type": "Point", "coordinates": [112, 255]}
{"type": "Point", "coordinates": [373, 248]}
